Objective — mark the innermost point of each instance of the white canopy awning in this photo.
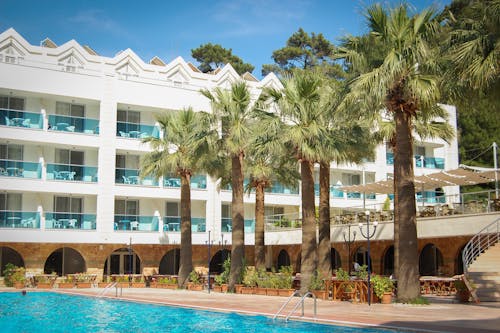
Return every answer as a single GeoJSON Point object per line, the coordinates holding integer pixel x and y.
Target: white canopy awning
{"type": "Point", "coordinates": [462, 176]}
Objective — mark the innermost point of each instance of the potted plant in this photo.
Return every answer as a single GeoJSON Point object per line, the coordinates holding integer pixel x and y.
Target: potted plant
{"type": "Point", "coordinates": [14, 276]}
{"type": "Point", "coordinates": [362, 272]}
{"type": "Point", "coordinates": [249, 281]}
{"type": "Point", "coordinates": [195, 282]}
{"type": "Point", "coordinates": [83, 280]}
{"type": "Point", "coordinates": [138, 282]}
{"type": "Point", "coordinates": [285, 281]}
{"type": "Point", "coordinates": [463, 293]}
{"type": "Point", "coordinates": [317, 286]}
{"type": "Point", "coordinates": [343, 288]}
{"type": "Point", "coordinates": [45, 281]}
{"type": "Point", "coordinates": [66, 282]}
{"type": "Point", "coordinates": [382, 287]}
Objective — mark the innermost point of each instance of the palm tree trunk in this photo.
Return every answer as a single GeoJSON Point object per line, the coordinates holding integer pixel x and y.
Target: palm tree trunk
{"type": "Point", "coordinates": [324, 246]}
{"type": "Point", "coordinates": [186, 255]}
{"type": "Point", "coordinates": [238, 222]}
{"type": "Point", "coordinates": [260, 254]}
{"type": "Point", "coordinates": [405, 214]}
{"type": "Point", "coordinates": [309, 248]}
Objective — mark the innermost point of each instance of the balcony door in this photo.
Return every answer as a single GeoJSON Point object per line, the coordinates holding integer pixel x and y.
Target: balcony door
{"type": "Point", "coordinates": [70, 162]}
{"type": "Point", "coordinates": [68, 207]}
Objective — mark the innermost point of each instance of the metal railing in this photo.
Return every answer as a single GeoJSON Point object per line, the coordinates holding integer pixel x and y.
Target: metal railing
{"type": "Point", "coordinates": [487, 237]}
{"type": "Point", "coordinates": [108, 287]}
{"type": "Point", "coordinates": [300, 302]}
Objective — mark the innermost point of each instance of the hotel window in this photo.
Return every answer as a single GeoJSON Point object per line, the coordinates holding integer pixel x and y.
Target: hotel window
{"type": "Point", "coordinates": [12, 103]}
{"type": "Point", "coordinates": [127, 162]}
{"type": "Point", "coordinates": [11, 201]}
{"type": "Point", "coordinates": [69, 157]}
{"type": "Point", "coordinates": [172, 209]}
{"type": "Point", "coordinates": [68, 205]}
{"type": "Point", "coordinates": [127, 207]}
{"type": "Point", "coordinates": [11, 152]}
{"type": "Point", "coordinates": [127, 116]}
{"type": "Point", "coordinates": [351, 179]}
{"type": "Point", "coordinates": [70, 109]}
{"type": "Point", "coordinates": [420, 150]}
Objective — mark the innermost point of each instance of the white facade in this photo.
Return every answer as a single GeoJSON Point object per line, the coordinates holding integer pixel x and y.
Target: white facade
{"type": "Point", "coordinates": [74, 160]}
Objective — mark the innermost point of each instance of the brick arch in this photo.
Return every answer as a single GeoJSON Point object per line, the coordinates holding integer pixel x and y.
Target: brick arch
{"type": "Point", "coordinates": [15, 258]}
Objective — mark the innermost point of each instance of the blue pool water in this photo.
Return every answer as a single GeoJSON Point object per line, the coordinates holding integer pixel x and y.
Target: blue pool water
{"type": "Point", "coordinates": [51, 312]}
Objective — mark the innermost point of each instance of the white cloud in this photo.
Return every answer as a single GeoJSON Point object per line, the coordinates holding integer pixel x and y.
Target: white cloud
{"type": "Point", "coordinates": [96, 19]}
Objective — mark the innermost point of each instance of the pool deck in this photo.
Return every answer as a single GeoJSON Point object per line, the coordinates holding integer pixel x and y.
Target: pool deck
{"type": "Point", "coordinates": [442, 315]}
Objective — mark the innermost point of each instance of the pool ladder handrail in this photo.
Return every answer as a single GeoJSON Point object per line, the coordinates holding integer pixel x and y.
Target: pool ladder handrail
{"type": "Point", "coordinates": [109, 286]}
{"type": "Point", "coordinates": [300, 302]}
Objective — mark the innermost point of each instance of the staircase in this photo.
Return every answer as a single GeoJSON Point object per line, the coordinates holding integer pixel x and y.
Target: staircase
{"type": "Point", "coordinates": [485, 274]}
{"type": "Point", "coordinates": [481, 258]}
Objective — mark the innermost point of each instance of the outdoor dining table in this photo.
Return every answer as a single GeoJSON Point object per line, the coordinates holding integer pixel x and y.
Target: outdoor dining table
{"type": "Point", "coordinates": [12, 171]}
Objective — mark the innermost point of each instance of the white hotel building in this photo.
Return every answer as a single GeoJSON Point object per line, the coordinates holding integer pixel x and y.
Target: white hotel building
{"type": "Point", "coordinates": [70, 142]}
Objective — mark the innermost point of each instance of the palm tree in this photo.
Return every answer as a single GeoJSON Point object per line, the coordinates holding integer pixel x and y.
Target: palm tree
{"type": "Point", "coordinates": [181, 150]}
{"type": "Point", "coordinates": [267, 162]}
{"type": "Point", "coordinates": [234, 110]}
{"type": "Point", "coordinates": [473, 44]}
{"type": "Point", "coordinates": [348, 139]}
{"type": "Point", "coordinates": [300, 107]}
{"type": "Point", "coordinates": [399, 76]}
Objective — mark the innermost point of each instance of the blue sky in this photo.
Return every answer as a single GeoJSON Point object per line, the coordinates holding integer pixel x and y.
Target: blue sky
{"type": "Point", "coordinates": [253, 29]}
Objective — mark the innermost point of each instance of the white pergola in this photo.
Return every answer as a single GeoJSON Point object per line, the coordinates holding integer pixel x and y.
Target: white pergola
{"type": "Point", "coordinates": [464, 175]}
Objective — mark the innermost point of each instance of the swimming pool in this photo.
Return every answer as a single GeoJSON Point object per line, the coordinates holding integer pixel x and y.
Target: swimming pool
{"type": "Point", "coordinates": [52, 312]}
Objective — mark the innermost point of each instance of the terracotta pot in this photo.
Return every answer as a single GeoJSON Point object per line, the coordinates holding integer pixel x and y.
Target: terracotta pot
{"type": "Point", "coordinates": [224, 288]}
{"type": "Point", "coordinates": [103, 284]}
{"type": "Point", "coordinates": [65, 285]}
{"type": "Point", "coordinates": [195, 287]}
{"type": "Point", "coordinates": [247, 290]}
{"type": "Point", "coordinates": [217, 289]}
{"type": "Point", "coordinates": [19, 285]}
{"type": "Point", "coordinates": [272, 292]}
{"type": "Point", "coordinates": [462, 296]}
{"type": "Point", "coordinates": [285, 292]}
{"type": "Point", "coordinates": [260, 291]}
{"type": "Point", "coordinates": [386, 298]}
{"type": "Point", "coordinates": [83, 284]}
{"type": "Point", "coordinates": [138, 285]}
{"type": "Point", "coordinates": [40, 285]}
{"type": "Point", "coordinates": [321, 294]}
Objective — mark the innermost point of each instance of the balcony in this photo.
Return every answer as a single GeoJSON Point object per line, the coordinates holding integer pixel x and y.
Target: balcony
{"type": "Point", "coordinates": [227, 225]}
{"type": "Point", "coordinates": [197, 182]}
{"type": "Point", "coordinates": [136, 223]}
{"type": "Point", "coordinates": [420, 161]}
{"type": "Point", "coordinates": [430, 197]}
{"type": "Point", "coordinates": [72, 172]}
{"type": "Point", "coordinates": [281, 189]}
{"type": "Point", "coordinates": [131, 177]}
{"type": "Point", "coordinates": [16, 118]}
{"type": "Point", "coordinates": [22, 169]}
{"type": "Point", "coordinates": [136, 131]}
{"type": "Point", "coordinates": [65, 220]}
{"type": "Point", "coordinates": [429, 162]}
{"type": "Point", "coordinates": [334, 191]}
{"type": "Point", "coordinates": [173, 223]}
{"type": "Point", "coordinates": [19, 219]}
{"type": "Point", "coordinates": [73, 124]}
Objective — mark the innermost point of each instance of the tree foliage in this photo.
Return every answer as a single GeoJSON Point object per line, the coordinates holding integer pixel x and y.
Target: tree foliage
{"type": "Point", "coordinates": [304, 51]}
{"type": "Point", "coordinates": [211, 56]}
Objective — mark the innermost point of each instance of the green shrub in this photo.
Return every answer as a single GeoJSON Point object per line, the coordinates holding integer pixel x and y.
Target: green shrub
{"type": "Point", "coordinates": [362, 272]}
{"type": "Point", "coordinates": [195, 277]}
{"type": "Point", "coordinates": [317, 282]}
{"type": "Point", "coordinates": [342, 275]}
{"type": "Point", "coordinates": [381, 285]}
{"type": "Point", "coordinates": [13, 274]}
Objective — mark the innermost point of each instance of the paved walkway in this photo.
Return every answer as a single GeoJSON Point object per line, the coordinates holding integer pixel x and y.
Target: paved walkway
{"type": "Point", "coordinates": [442, 315]}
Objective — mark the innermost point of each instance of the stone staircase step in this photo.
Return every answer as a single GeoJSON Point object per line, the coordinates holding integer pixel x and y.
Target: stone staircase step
{"type": "Point", "coordinates": [484, 273]}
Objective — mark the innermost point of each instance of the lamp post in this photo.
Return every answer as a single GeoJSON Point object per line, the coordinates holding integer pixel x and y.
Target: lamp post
{"type": "Point", "coordinates": [130, 255]}
{"type": "Point", "coordinates": [209, 245]}
{"type": "Point", "coordinates": [368, 236]}
{"type": "Point", "coordinates": [348, 241]}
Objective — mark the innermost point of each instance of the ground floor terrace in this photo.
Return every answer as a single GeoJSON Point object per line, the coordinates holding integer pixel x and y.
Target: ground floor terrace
{"type": "Point", "coordinates": [443, 314]}
{"type": "Point", "coordinates": [439, 256]}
